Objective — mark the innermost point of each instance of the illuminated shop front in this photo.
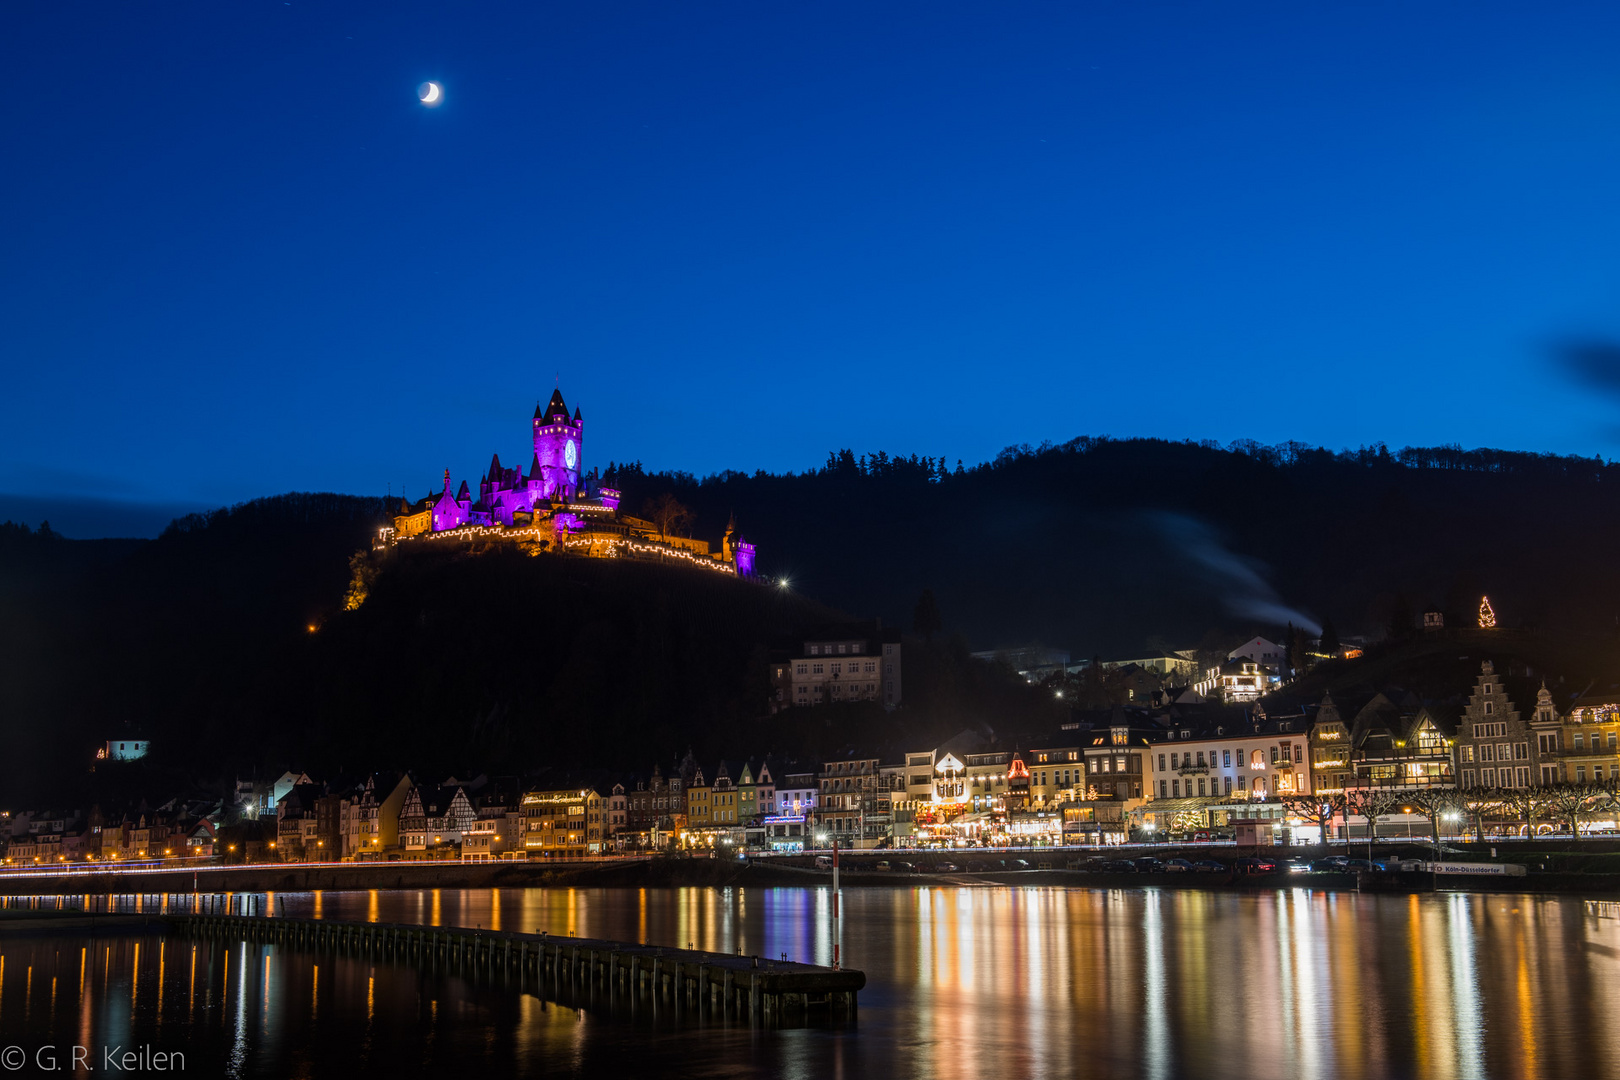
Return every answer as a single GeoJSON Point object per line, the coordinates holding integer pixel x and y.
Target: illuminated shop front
{"type": "Point", "coordinates": [785, 832]}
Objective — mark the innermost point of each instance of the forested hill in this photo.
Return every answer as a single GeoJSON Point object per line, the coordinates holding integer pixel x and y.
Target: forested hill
{"type": "Point", "coordinates": [1113, 546]}
{"type": "Point", "coordinates": [225, 643]}
{"type": "Point", "coordinates": [202, 638]}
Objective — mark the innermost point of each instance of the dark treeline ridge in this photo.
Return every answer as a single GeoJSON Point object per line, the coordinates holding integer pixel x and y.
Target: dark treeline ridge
{"type": "Point", "coordinates": [201, 638]}
{"type": "Point", "coordinates": [224, 641]}
{"type": "Point", "coordinates": [1114, 546]}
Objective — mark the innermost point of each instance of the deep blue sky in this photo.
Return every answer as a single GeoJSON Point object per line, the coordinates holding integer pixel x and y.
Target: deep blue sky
{"type": "Point", "coordinates": [240, 258]}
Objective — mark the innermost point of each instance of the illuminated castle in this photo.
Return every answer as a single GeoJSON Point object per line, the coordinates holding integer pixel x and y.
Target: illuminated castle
{"type": "Point", "coordinates": [556, 507]}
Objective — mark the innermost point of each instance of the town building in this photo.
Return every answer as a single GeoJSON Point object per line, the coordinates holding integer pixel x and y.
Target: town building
{"type": "Point", "coordinates": [756, 791]}
{"type": "Point", "coordinates": [848, 796]}
{"type": "Point", "coordinates": [1496, 745]}
{"type": "Point", "coordinates": [1243, 680]}
{"type": "Point", "coordinates": [1057, 774]}
{"type": "Point", "coordinates": [124, 749]}
{"type": "Point", "coordinates": [1268, 654]}
{"type": "Point", "coordinates": [723, 798]}
{"type": "Point", "coordinates": [798, 794]}
{"type": "Point", "coordinates": [297, 825]}
{"type": "Point", "coordinates": [1588, 749]}
{"type": "Point", "coordinates": [1261, 761]}
{"type": "Point", "coordinates": [786, 833]}
{"type": "Point", "coordinates": [1115, 757]}
{"type": "Point", "coordinates": [617, 808]}
{"type": "Point", "coordinates": [369, 822]}
{"type": "Point", "coordinates": [656, 805]}
{"type": "Point", "coordinates": [842, 664]}
{"type": "Point", "coordinates": [497, 830]}
{"type": "Point", "coordinates": [562, 824]}
{"type": "Point", "coordinates": [201, 841]}
{"type": "Point", "coordinates": [433, 819]}
{"type": "Point", "coordinates": [1329, 750]}
{"type": "Point", "coordinates": [255, 798]}
{"type": "Point", "coordinates": [1402, 746]}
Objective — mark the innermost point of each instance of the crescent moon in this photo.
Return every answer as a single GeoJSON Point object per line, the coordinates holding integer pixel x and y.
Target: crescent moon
{"type": "Point", "coordinates": [430, 93]}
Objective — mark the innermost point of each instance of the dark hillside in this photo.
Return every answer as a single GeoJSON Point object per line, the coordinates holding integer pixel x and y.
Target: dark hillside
{"type": "Point", "coordinates": [1442, 666]}
{"type": "Point", "coordinates": [202, 640]}
{"type": "Point", "coordinates": [224, 642]}
{"type": "Point", "coordinates": [180, 636]}
{"type": "Point", "coordinates": [1111, 546]}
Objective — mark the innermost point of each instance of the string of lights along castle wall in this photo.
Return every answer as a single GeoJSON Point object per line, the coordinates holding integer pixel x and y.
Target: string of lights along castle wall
{"type": "Point", "coordinates": [557, 508]}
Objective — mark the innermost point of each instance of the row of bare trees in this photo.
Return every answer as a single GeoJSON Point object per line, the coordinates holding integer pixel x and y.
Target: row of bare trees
{"type": "Point", "coordinates": [1563, 804]}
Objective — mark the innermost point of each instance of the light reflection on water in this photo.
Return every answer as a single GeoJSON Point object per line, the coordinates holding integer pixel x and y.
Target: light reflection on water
{"type": "Point", "coordinates": [961, 983]}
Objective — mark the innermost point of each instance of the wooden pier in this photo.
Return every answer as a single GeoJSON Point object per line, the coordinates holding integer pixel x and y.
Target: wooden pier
{"type": "Point", "coordinates": [695, 984]}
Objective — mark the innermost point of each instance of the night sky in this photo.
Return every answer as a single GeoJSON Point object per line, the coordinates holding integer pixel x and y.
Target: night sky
{"type": "Point", "coordinates": [241, 258]}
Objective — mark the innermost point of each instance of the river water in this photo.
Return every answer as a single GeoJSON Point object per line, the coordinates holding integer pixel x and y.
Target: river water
{"type": "Point", "coordinates": [961, 983]}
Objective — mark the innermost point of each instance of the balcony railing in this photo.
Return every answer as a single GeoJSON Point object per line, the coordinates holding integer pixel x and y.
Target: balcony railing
{"type": "Point", "coordinates": [1186, 769]}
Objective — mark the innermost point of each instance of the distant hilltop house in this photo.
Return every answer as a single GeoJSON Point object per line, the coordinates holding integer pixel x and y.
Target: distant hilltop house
{"type": "Point", "coordinates": [557, 507]}
{"type": "Point", "coordinates": [839, 664]}
{"type": "Point", "coordinates": [123, 749]}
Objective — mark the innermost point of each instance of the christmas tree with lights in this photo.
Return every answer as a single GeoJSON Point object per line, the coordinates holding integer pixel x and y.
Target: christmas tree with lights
{"type": "Point", "coordinates": [1487, 617]}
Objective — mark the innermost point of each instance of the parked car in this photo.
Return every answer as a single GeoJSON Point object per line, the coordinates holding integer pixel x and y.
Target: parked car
{"type": "Point", "coordinates": [883, 864]}
{"type": "Point", "coordinates": [823, 862]}
{"type": "Point", "coordinates": [903, 867]}
{"type": "Point", "coordinates": [1177, 866]}
{"type": "Point", "coordinates": [1329, 866]}
{"type": "Point", "coordinates": [1148, 865]}
{"type": "Point", "coordinates": [1017, 864]}
{"type": "Point", "coordinates": [1209, 866]}
{"type": "Point", "coordinates": [1359, 864]}
{"type": "Point", "coordinates": [1255, 866]}
{"type": "Point", "coordinates": [1296, 866]}
{"type": "Point", "coordinates": [1119, 866]}
{"type": "Point", "coordinates": [945, 868]}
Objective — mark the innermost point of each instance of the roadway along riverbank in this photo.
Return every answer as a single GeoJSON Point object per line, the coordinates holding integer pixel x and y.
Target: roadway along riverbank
{"type": "Point", "coordinates": [764, 873]}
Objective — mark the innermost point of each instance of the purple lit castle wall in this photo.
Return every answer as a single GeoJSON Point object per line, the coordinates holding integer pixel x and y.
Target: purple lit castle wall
{"type": "Point", "coordinates": [745, 558]}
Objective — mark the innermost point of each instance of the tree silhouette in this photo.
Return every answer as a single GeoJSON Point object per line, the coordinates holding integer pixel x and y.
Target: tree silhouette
{"type": "Point", "coordinates": [668, 513]}
{"type": "Point", "coordinates": [925, 617]}
{"type": "Point", "coordinates": [1330, 639]}
{"type": "Point", "coordinates": [1400, 618]}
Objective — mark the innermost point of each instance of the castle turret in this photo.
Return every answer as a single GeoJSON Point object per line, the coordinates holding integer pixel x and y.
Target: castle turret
{"type": "Point", "coordinates": [450, 511]}
{"type": "Point", "coordinates": [558, 447]}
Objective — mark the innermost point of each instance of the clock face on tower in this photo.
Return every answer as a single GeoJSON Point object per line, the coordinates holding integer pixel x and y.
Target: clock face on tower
{"type": "Point", "coordinates": [570, 454]}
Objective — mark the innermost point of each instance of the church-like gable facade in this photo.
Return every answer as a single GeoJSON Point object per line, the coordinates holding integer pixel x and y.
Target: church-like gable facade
{"type": "Point", "coordinates": [556, 507]}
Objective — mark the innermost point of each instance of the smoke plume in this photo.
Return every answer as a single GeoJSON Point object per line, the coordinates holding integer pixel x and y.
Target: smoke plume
{"type": "Point", "coordinates": [1235, 579]}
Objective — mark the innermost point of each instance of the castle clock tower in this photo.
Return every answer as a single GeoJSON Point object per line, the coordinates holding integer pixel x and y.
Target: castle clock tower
{"type": "Point", "coordinates": [559, 441]}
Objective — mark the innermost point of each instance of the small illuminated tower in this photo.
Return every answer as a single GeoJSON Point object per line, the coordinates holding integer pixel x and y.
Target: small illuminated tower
{"type": "Point", "coordinates": [1017, 783]}
{"type": "Point", "coordinates": [558, 448]}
